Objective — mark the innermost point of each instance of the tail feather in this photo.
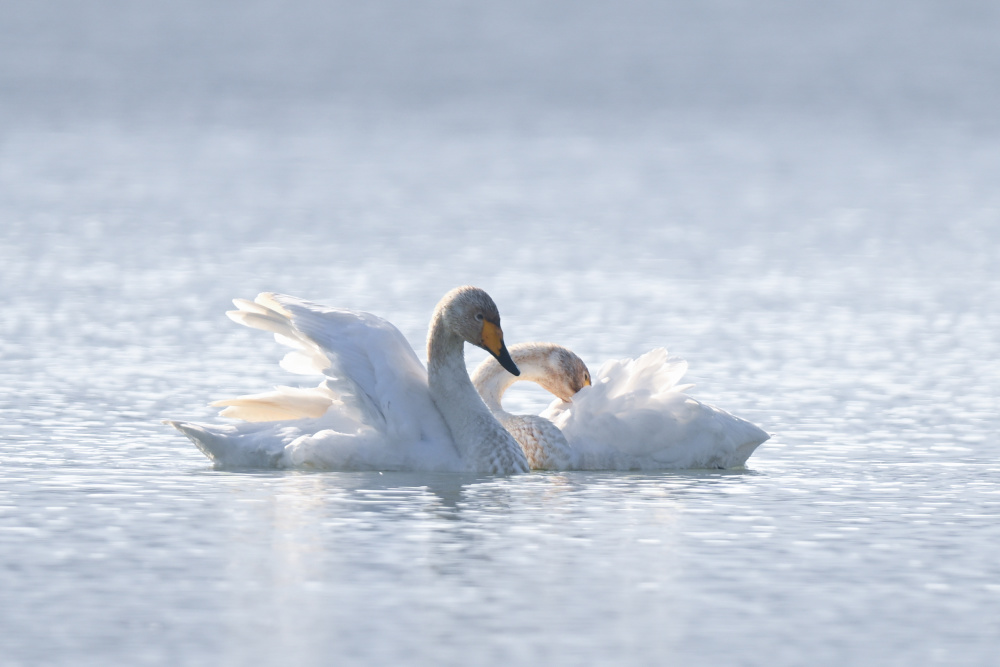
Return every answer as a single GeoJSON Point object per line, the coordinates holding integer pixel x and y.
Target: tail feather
{"type": "Point", "coordinates": [230, 446]}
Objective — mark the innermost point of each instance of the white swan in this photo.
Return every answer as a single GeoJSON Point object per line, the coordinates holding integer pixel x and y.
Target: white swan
{"type": "Point", "coordinates": [377, 409]}
{"type": "Point", "coordinates": [634, 415]}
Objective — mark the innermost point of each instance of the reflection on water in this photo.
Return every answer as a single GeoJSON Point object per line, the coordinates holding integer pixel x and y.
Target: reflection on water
{"type": "Point", "coordinates": [571, 566]}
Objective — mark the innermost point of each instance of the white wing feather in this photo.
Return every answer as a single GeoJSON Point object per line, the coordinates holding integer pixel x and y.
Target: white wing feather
{"type": "Point", "coordinates": [637, 416]}
{"type": "Point", "coordinates": [367, 361]}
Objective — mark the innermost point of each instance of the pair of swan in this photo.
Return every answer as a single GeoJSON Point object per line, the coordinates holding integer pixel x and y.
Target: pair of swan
{"type": "Point", "coordinates": [378, 409]}
{"type": "Point", "coordinates": [633, 416]}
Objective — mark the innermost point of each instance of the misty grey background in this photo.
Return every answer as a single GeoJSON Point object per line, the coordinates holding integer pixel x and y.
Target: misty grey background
{"type": "Point", "coordinates": [897, 62]}
{"type": "Point", "coordinates": [799, 199]}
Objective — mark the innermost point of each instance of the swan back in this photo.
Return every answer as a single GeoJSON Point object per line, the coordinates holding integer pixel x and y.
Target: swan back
{"type": "Point", "coordinates": [637, 416]}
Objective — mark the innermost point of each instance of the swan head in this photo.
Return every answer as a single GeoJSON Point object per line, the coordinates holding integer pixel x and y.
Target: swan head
{"type": "Point", "coordinates": [470, 313]}
{"type": "Point", "coordinates": [563, 372]}
{"type": "Point", "coordinates": [557, 369]}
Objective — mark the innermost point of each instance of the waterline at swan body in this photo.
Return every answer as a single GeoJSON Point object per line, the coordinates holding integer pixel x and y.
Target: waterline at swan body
{"type": "Point", "coordinates": [632, 415]}
{"type": "Point", "coordinates": [377, 407]}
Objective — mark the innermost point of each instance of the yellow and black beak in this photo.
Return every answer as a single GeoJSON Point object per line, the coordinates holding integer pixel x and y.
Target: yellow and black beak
{"type": "Point", "coordinates": [493, 343]}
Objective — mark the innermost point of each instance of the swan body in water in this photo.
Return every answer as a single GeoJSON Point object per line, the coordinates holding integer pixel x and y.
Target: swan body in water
{"type": "Point", "coordinates": [377, 408]}
{"type": "Point", "coordinates": [633, 416]}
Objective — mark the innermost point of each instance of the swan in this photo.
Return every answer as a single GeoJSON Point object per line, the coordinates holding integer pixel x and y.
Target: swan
{"type": "Point", "coordinates": [634, 415]}
{"type": "Point", "coordinates": [377, 407]}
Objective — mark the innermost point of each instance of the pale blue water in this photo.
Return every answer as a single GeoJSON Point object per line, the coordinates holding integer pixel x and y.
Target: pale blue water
{"type": "Point", "coordinates": [801, 203]}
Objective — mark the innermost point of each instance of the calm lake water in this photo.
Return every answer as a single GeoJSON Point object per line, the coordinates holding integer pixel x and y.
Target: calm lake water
{"type": "Point", "coordinates": [802, 205]}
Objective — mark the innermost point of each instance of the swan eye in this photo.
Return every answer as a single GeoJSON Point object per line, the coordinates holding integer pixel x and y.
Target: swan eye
{"type": "Point", "coordinates": [479, 316]}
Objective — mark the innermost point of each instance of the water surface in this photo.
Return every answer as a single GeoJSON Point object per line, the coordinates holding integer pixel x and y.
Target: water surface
{"type": "Point", "coordinates": [817, 235]}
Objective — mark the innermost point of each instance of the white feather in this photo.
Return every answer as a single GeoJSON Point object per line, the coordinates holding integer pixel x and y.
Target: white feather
{"type": "Point", "coordinates": [374, 410]}
{"type": "Point", "coordinates": [637, 416]}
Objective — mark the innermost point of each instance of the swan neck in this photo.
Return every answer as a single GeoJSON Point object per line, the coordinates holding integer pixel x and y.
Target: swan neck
{"type": "Point", "coordinates": [451, 388]}
{"type": "Point", "coordinates": [445, 349]}
{"type": "Point", "coordinates": [478, 436]}
{"type": "Point", "coordinates": [492, 381]}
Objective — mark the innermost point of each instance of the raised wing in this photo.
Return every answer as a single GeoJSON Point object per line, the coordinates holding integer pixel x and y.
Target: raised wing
{"type": "Point", "coordinates": [362, 355]}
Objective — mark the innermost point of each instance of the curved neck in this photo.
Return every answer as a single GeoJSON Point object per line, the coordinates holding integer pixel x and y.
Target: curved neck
{"type": "Point", "coordinates": [478, 436]}
{"type": "Point", "coordinates": [491, 380]}
{"type": "Point", "coordinates": [446, 355]}
{"type": "Point", "coordinates": [449, 382]}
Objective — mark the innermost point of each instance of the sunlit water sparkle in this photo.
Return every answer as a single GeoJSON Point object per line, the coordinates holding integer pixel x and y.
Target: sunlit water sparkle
{"type": "Point", "coordinates": [829, 277]}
